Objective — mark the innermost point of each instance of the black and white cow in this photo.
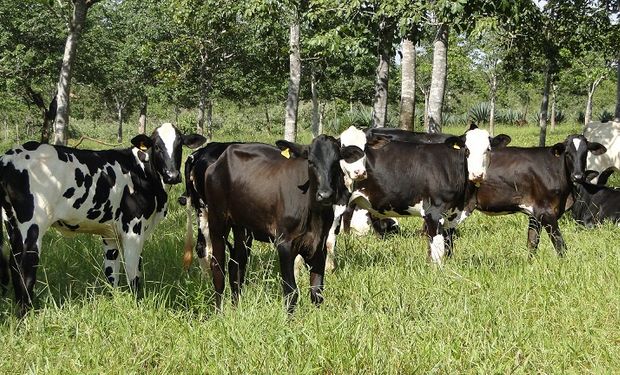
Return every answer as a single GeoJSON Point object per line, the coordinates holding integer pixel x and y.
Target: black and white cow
{"type": "Point", "coordinates": [433, 181]}
{"type": "Point", "coordinates": [595, 203]}
{"type": "Point", "coordinates": [118, 194]}
{"type": "Point", "coordinates": [538, 181]}
{"type": "Point", "coordinates": [607, 134]}
{"type": "Point", "coordinates": [253, 188]}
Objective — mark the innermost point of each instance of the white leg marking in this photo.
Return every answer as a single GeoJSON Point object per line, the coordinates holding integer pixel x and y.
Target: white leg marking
{"type": "Point", "coordinates": [437, 248]}
{"type": "Point", "coordinates": [203, 226]}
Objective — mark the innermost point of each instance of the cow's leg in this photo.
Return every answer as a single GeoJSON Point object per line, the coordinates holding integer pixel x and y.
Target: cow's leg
{"type": "Point", "coordinates": [317, 276]}
{"type": "Point", "coordinates": [204, 248]}
{"type": "Point", "coordinates": [218, 234]}
{"type": "Point", "coordinates": [550, 223]}
{"type": "Point", "coordinates": [24, 259]}
{"type": "Point", "coordinates": [330, 244]}
{"type": "Point", "coordinates": [434, 231]}
{"type": "Point", "coordinates": [289, 286]}
{"type": "Point", "coordinates": [132, 254]}
{"type": "Point", "coordinates": [533, 235]}
{"type": "Point", "coordinates": [237, 263]}
{"type": "Point", "coordinates": [111, 262]}
{"type": "Point", "coordinates": [449, 240]}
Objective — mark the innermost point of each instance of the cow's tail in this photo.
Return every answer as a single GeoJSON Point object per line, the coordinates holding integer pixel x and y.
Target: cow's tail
{"type": "Point", "coordinates": [4, 264]}
{"type": "Point", "coordinates": [189, 207]}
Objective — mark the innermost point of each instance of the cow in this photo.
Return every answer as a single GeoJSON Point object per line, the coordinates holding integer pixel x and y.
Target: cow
{"type": "Point", "coordinates": [538, 181]}
{"type": "Point", "coordinates": [119, 194]}
{"type": "Point", "coordinates": [434, 181]}
{"type": "Point", "coordinates": [595, 203]}
{"type": "Point", "coordinates": [607, 134]}
{"type": "Point", "coordinates": [353, 166]}
{"type": "Point", "coordinates": [402, 135]}
{"type": "Point", "coordinates": [283, 195]}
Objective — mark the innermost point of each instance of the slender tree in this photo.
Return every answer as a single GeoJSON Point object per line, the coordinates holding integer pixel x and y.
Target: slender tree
{"type": "Point", "coordinates": [292, 99]}
{"type": "Point", "coordinates": [74, 25]}
{"type": "Point", "coordinates": [408, 84]}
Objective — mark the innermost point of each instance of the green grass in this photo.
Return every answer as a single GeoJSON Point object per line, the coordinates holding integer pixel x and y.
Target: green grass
{"type": "Point", "coordinates": [489, 309]}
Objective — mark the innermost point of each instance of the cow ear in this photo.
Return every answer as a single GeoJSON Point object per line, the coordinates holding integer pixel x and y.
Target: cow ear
{"type": "Point", "coordinates": [501, 140]}
{"type": "Point", "coordinates": [193, 140]}
{"type": "Point", "coordinates": [142, 142]}
{"type": "Point", "coordinates": [596, 148]}
{"type": "Point", "coordinates": [590, 174]}
{"type": "Point", "coordinates": [558, 149]}
{"type": "Point", "coordinates": [455, 142]}
{"type": "Point", "coordinates": [376, 142]}
{"type": "Point", "coordinates": [292, 149]}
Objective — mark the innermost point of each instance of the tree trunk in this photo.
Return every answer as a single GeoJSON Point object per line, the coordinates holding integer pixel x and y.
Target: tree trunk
{"type": "Point", "coordinates": [492, 104]}
{"type": "Point", "coordinates": [407, 89]}
{"type": "Point", "coordinates": [379, 106]}
{"type": "Point", "coordinates": [425, 119]}
{"type": "Point", "coordinates": [209, 119]}
{"type": "Point", "coordinates": [544, 106]}
{"type": "Point", "coordinates": [438, 79]}
{"type": "Point", "coordinates": [292, 100]}
{"type": "Point", "coordinates": [177, 111]}
{"type": "Point", "coordinates": [267, 118]}
{"type": "Point", "coordinates": [80, 7]}
{"type": "Point", "coordinates": [119, 113]}
{"type": "Point", "coordinates": [553, 106]}
{"type": "Point", "coordinates": [200, 129]}
{"type": "Point", "coordinates": [142, 118]}
{"type": "Point", "coordinates": [316, 129]}
{"type": "Point", "coordinates": [617, 111]}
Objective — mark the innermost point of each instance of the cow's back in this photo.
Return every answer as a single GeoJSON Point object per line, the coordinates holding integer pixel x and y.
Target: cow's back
{"type": "Point", "coordinates": [255, 186]}
{"type": "Point", "coordinates": [519, 176]}
{"type": "Point", "coordinates": [401, 173]}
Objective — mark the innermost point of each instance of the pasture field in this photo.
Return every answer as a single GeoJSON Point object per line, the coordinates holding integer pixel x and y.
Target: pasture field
{"type": "Point", "coordinates": [489, 309]}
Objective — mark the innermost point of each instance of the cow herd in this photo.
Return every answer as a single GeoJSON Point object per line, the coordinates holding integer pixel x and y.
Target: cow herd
{"type": "Point", "coordinates": [296, 197]}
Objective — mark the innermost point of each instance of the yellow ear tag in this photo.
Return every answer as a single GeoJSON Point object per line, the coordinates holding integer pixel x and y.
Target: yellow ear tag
{"type": "Point", "coordinates": [286, 153]}
{"type": "Point", "coordinates": [456, 147]}
{"type": "Point", "coordinates": [143, 147]}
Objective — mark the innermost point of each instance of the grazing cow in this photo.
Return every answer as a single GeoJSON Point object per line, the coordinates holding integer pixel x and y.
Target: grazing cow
{"type": "Point", "coordinates": [433, 181]}
{"type": "Point", "coordinates": [538, 181]}
{"type": "Point", "coordinates": [118, 194]}
{"type": "Point", "coordinates": [607, 134]}
{"type": "Point", "coordinates": [253, 188]}
{"type": "Point", "coordinates": [595, 204]}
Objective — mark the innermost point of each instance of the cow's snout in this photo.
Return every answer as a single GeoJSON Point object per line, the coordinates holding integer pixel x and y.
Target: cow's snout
{"type": "Point", "coordinates": [359, 174]}
{"type": "Point", "coordinates": [172, 177]}
{"type": "Point", "coordinates": [324, 196]}
{"type": "Point", "coordinates": [577, 177]}
{"type": "Point", "coordinates": [476, 177]}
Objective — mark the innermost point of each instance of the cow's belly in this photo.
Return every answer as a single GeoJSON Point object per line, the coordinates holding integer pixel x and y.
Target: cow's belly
{"type": "Point", "coordinates": [362, 200]}
{"type": "Point", "coordinates": [69, 229]}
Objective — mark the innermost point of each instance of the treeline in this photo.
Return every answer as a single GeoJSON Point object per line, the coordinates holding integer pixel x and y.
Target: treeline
{"type": "Point", "coordinates": [435, 61]}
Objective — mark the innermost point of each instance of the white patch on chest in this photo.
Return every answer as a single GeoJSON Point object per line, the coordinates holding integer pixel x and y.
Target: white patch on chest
{"type": "Point", "coordinates": [360, 222]}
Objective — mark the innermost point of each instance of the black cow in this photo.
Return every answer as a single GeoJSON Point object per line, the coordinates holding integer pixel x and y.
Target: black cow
{"type": "Point", "coordinates": [394, 134]}
{"type": "Point", "coordinates": [253, 188]}
{"type": "Point", "coordinates": [538, 181]}
{"type": "Point", "coordinates": [434, 181]}
{"type": "Point", "coordinates": [118, 194]}
{"type": "Point", "coordinates": [595, 203]}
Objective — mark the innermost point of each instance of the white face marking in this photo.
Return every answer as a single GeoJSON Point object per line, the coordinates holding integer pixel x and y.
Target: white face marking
{"type": "Point", "coordinates": [478, 144]}
{"type": "Point", "coordinates": [437, 248]}
{"type": "Point", "coordinates": [356, 170]}
{"type": "Point", "coordinates": [576, 142]}
{"type": "Point", "coordinates": [168, 135]}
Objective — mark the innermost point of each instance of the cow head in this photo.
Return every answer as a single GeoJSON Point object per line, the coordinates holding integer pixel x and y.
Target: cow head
{"type": "Point", "coordinates": [164, 148]}
{"type": "Point", "coordinates": [353, 163]}
{"type": "Point", "coordinates": [575, 150]}
{"type": "Point", "coordinates": [323, 155]}
{"type": "Point", "coordinates": [478, 144]}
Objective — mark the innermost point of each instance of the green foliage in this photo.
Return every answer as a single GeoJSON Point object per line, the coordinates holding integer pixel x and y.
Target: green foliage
{"type": "Point", "coordinates": [480, 113]}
